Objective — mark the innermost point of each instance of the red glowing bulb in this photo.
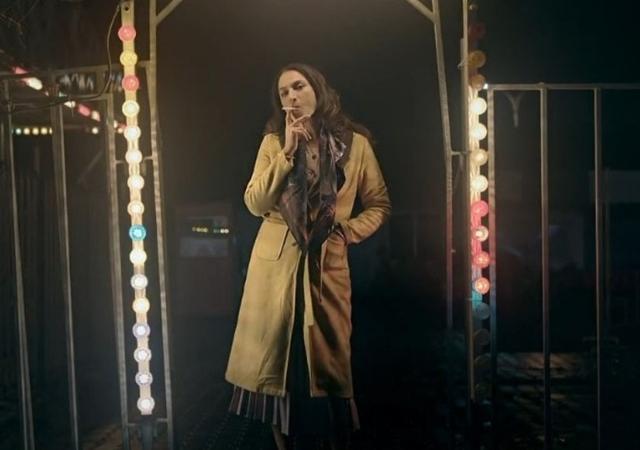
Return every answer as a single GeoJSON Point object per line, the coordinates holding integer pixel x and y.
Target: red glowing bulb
{"type": "Point", "coordinates": [126, 33]}
{"type": "Point", "coordinates": [481, 260]}
{"type": "Point", "coordinates": [481, 285]}
{"type": "Point", "coordinates": [130, 83]}
{"type": "Point", "coordinates": [479, 208]}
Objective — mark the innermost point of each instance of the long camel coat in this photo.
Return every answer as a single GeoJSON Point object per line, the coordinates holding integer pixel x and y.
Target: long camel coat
{"type": "Point", "coordinates": [260, 350]}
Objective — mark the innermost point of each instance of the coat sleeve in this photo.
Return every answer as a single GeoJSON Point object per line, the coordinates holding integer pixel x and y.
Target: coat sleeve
{"type": "Point", "coordinates": [270, 170]}
{"type": "Point", "coordinates": [374, 197]}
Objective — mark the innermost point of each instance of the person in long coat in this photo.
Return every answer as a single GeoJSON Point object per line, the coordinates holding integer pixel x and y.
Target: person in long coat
{"type": "Point", "coordinates": [290, 361]}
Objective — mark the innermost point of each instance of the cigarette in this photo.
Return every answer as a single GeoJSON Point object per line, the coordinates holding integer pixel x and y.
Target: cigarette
{"type": "Point", "coordinates": [289, 108]}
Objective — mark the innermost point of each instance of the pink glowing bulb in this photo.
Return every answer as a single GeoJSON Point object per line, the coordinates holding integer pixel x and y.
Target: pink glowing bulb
{"type": "Point", "coordinates": [481, 285]}
{"type": "Point", "coordinates": [130, 83]}
{"type": "Point", "coordinates": [481, 260]}
{"type": "Point", "coordinates": [126, 33]}
{"type": "Point", "coordinates": [479, 208]}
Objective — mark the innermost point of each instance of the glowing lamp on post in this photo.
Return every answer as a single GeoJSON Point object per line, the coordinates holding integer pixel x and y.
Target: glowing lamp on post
{"type": "Point", "coordinates": [481, 285]}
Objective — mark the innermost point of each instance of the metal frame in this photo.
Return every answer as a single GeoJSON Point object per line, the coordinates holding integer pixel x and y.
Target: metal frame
{"type": "Point", "coordinates": [543, 90]}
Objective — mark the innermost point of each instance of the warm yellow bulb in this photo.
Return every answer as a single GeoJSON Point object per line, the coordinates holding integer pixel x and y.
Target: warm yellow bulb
{"type": "Point", "coordinates": [479, 157]}
{"type": "Point", "coordinates": [135, 207]}
{"type": "Point", "coordinates": [478, 106]}
{"type": "Point", "coordinates": [479, 183]}
{"type": "Point", "coordinates": [135, 182]}
{"type": "Point", "coordinates": [133, 156]}
{"type": "Point", "coordinates": [141, 305]}
{"type": "Point", "coordinates": [130, 108]}
{"type": "Point", "coordinates": [137, 256]}
{"type": "Point", "coordinates": [478, 132]}
{"type": "Point", "coordinates": [128, 58]}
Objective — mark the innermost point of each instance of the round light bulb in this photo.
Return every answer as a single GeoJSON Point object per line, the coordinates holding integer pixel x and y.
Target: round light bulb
{"type": "Point", "coordinates": [478, 106]}
{"type": "Point", "coordinates": [479, 183]}
{"type": "Point", "coordinates": [479, 208]}
{"type": "Point", "coordinates": [481, 285]}
{"type": "Point", "coordinates": [141, 330]}
{"type": "Point", "coordinates": [144, 378]}
{"type": "Point", "coordinates": [478, 132]}
{"type": "Point", "coordinates": [139, 281]}
{"type": "Point", "coordinates": [481, 260]}
{"type": "Point", "coordinates": [44, 130]}
{"type": "Point", "coordinates": [35, 131]}
{"type": "Point", "coordinates": [128, 58]}
{"type": "Point", "coordinates": [127, 33]}
{"type": "Point", "coordinates": [135, 207]}
{"type": "Point", "coordinates": [18, 131]}
{"type": "Point", "coordinates": [141, 305]}
{"type": "Point", "coordinates": [137, 256]}
{"type": "Point", "coordinates": [137, 232]}
{"type": "Point", "coordinates": [479, 157]}
{"type": "Point", "coordinates": [142, 354]}
{"type": "Point", "coordinates": [477, 59]}
{"type": "Point", "coordinates": [132, 132]}
{"type": "Point", "coordinates": [133, 156]}
{"type": "Point", "coordinates": [145, 405]}
{"type": "Point", "coordinates": [130, 83]}
{"type": "Point", "coordinates": [130, 108]}
{"type": "Point", "coordinates": [95, 130]}
{"type": "Point", "coordinates": [135, 182]}
{"type": "Point", "coordinates": [480, 233]}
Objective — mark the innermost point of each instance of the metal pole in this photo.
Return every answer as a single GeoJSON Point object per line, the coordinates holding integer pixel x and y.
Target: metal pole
{"type": "Point", "coordinates": [156, 156]}
{"type": "Point", "coordinates": [26, 411]}
{"type": "Point", "coordinates": [493, 251]}
{"type": "Point", "coordinates": [544, 216]}
{"type": "Point", "coordinates": [597, 119]}
{"type": "Point", "coordinates": [59, 169]}
{"type": "Point", "coordinates": [116, 268]}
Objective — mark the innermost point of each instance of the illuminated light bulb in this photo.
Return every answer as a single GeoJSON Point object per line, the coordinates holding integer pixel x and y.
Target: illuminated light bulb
{"type": "Point", "coordinates": [477, 59]}
{"type": "Point", "coordinates": [44, 130]}
{"type": "Point", "coordinates": [478, 106]}
{"type": "Point", "coordinates": [139, 281]}
{"type": "Point", "coordinates": [141, 305]}
{"type": "Point", "coordinates": [128, 58]}
{"type": "Point", "coordinates": [133, 156]}
{"type": "Point", "coordinates": [477, 81]}
{"type": "Point", "coordinates": [478, 132]}
{"type": "Point", "coordinates": [70, 104]}
{"type": "Point", "coordinates": [144, 378]}
{"type": "Point", "coordinates": [27, 131]}
{"type": "Point", "coordinates": [137, 232]}
{"type": "Point", "coordinates": [145, 405]}
{"type": "Point", "coordinates": [479, 208]}
{"type": "Point", "coordinates": [18, 131]}
{"type": "Point", "coordinates": [84, 110]}
{"type": "Point", "coordinates": [480, 233]}
{"type": "Point", "coordinates": [137, 256]}
{"type": "Point", "coordinates": [120, 130]}
{"type": "Point", "coordinates": [34, 83]}
{"type": "Point", "coordinates": [50, 130]}
{"type": "Point", "coordinates": [130, 83]}
{"type": "Point", "coordinates": [481, 260]}
{"type": "Point", "coordinates": [132, 132]}
{"type": "Point", "coordinates": [141, 330]}
{"type": "Point", "coordinates": [481, 285]}
{"type": "Point", "coordinates": [135, 182]}
{"type": "Point", "coordinates": [479, 183]}
{"type": "Point", "coordinates": [135, 207]}
{"type": "Point", "coordinates": [130, 108]}
{"type": "Point", "coordinates": [95, 130]}
{"type": "Point", "coordinates": [127, 33]}
{"type": "Point", "coordinates": [95, 115]}
{"type": "Point", "coordinates": [142, 354]}
{"type": "Point", "coordinates": [35, 131]}
{"type": "Point", "coordinates": [479, 157]}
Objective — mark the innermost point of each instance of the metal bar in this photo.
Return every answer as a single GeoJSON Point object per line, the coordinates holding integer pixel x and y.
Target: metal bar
{"type": "Point", "coordinates": [62, 207]}
{"type": "Point", "coordinates": [446, 137]}
{"type": "Point", "coordinates": [544, 217]}
{"type": "Point", "coordinates": [493, 251]}
{"type": "Point", "coordinates": [564, 86]}
{"type": "Point", "coordinates": [166, 11]}
{"type": "Point", "coordinates": [597, 123]}
{"type": "Point", "coordinates": [116, 267]}
{"type": "Point", "coordinates": [423, 9]}
{"type": "Point", "coordinates": [156, 153]}
{"type": "Point", "coordinates": [26, 408]}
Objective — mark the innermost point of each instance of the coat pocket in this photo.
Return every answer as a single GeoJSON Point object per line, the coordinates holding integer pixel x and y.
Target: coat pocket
{"type": "Point", "coordinates": [270, 240]}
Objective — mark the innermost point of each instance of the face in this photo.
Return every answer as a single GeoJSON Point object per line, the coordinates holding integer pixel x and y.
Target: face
{"type": "Point", "coordinates": [294, 90]}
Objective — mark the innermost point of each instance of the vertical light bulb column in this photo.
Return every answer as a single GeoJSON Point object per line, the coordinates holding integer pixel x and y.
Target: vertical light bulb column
{"type": "Point", "coordinates": [137, 231]}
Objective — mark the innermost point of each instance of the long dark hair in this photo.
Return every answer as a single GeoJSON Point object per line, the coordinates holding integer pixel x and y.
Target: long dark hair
{"type": "Point", "coordinates": [328, 110]}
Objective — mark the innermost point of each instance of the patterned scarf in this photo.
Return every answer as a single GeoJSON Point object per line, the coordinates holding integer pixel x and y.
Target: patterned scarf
{"type": "Point", "coordinates": [295, 203]}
